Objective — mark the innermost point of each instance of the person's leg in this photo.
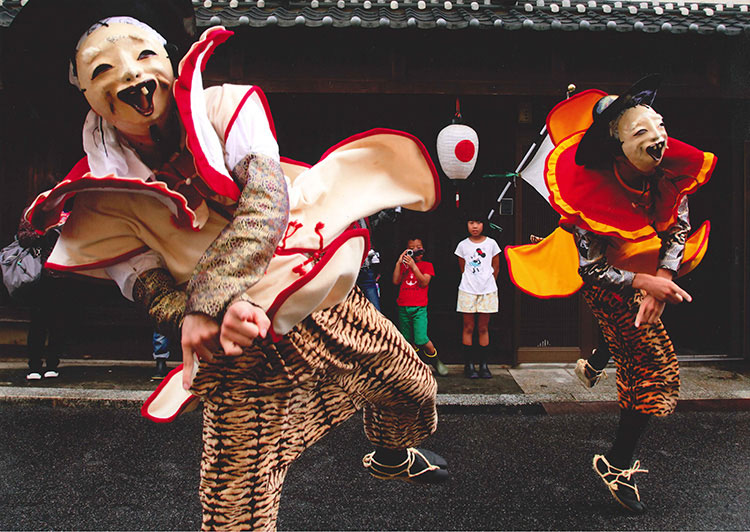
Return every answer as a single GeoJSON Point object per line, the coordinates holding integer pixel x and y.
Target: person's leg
{"type": "Point", "coordinates": [629, 430]}
{"type": "Point", "coordinates": [467, 339]}
{"type": "Point", "coordinates": [405, 326]}
{"type": "Point", "coordinates": [431, 353]}
{"type": "Point", "coordinates": [467, 347]}
{"type": "Point", "coordinates": [369, 286]}
{"type": "Point", "coordinates": [53, 318]}
{"type": "Point", "coordinates": [429, 348]}
{"type": "Point", "coordinates": [367, 356]}
{"type": "Point", "coordinates": [647, 384]}
{"type": "Point", "coordinates": [466, 304]}
{"type": "Point", "coordinates": [467, 333]}
{"type": "Point", "coordinates": [54, 348]}
{"type": "Point", "coordinates": [600, 355]}
{"type": "Point", "coordinates": [591, 371]}
{"type": "Point", "coordinates": [261, 411]}
{"type": "Point", "coordinates": [425, 344]}
{"type": "Point", "coordinates": [161, 355]}
{"type": "Point", "coordinates": [487, 304]}
{"type": "Point", "coordinates": [483, 334]}
{"type": "Point", "coordinates": [615, 468]}
{"type": "Point", "coordinates": [35, 340]}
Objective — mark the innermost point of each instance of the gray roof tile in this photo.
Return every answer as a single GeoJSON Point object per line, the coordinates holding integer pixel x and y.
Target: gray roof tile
{"type": "Point", "coordinates": [677, 17]}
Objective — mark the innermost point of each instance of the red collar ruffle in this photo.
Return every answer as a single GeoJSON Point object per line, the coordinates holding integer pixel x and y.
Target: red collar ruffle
{"type": "Point", "coordinates": [597, 201]}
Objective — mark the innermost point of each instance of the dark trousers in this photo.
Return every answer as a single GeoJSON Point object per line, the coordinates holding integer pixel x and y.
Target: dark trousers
{"type": "Point", "coordinates": [367, 282]}
{"type": "Point", "coordinates": [47, 306]}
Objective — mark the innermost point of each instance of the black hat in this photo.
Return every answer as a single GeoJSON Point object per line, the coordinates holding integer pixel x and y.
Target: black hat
{"type": "Point", "coordinates": [41, 39]}
{"type": "Point", "coordinates": [596, 146]}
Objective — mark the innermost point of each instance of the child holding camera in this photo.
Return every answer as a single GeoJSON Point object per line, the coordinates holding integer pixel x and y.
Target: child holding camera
{"type": "Point", "coordinates": [412, 275]}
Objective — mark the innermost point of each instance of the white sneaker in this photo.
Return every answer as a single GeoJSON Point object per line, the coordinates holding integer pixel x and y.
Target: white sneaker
{"type": "Point", "coordinates": [33, 376]}
{"type": "Point", "coordinates": [51, 374]}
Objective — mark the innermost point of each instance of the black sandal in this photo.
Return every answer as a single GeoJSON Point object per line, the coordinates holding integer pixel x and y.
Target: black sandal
{"type": "Point", "coordinates": [421, 466]}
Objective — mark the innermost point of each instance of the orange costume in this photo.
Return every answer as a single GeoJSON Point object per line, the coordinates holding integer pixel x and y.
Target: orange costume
{"type": "Point", "coordinates": [598, 201]}
{"type": "Point", "coordinates": [620, 186]}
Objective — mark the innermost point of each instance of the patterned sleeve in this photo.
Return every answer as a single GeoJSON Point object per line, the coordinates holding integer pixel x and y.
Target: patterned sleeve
{"type": "Point", "coordinates": [673, 239]}
{"type": "Point", "coordinates": [155, 292]}
{"type": "Point", "coordinates": [239, 256]}
{"type": "Point", "coordinates": [592, 262]}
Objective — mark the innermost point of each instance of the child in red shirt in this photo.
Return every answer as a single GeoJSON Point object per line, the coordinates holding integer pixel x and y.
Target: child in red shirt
{"type": "Point", "coordinates": [412, 274]}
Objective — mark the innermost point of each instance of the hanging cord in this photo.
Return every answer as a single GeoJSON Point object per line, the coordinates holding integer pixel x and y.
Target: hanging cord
{"type": "Point", "coordinates": [457, 119]}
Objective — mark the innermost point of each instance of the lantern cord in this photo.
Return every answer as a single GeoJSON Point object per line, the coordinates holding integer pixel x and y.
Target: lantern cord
{"type": "Point", "coordinates": [457, 116]}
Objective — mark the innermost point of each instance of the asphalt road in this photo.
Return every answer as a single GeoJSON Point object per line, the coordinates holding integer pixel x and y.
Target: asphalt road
{"type": "Point", "coordinates": [109, 469]}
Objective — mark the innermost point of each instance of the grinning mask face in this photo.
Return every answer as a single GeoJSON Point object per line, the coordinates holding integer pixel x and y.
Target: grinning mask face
{"type": "Point", "coordinates": [643, 136]}
{"type": "Point", "coordinates": [126, 77]}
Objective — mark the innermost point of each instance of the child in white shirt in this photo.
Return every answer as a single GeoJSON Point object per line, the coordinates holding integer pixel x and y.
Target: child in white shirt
{"type": "Point", "coordinates": [479, 260]}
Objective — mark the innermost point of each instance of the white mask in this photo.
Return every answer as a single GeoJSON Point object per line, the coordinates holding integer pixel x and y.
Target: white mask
{"type": "Point", "coordinates": [643, 136]}
{"type": "Point", "coordinates": [126, 76]}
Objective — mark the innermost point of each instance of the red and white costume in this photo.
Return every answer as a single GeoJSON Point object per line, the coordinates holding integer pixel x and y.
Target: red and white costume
{"type": "Point", "coordinates": [264, 407]}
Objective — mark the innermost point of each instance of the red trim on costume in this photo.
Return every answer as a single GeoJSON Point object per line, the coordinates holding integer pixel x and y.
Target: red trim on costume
{"type": "Point", "coordinates": [385, 131]}
{"type": "Point", "coordinates": [96, 265]}
{"type": "Point", "coordinates": [266, 108]}
{"type": "Point", "coordinates": [80, 169]}
{"type": "Point", "coordinates": [513, 279]}
{"type": "Point", "coordinates": [701, 178]}
{"type": "Point", "coordinates": [330, 251]}
{"type": "Point", "coordinates": [596, 201]}
{"type": "Point", "coordinates": [221, 183]}
{"type": "Point", "coordinates": [77, 172]}
{"type": "Point", "coordinates": [700, 247]}
{"type": "Point", "coordinates": [187, 402]}
{"type": "Point", "coordinates": [292, 162]}
{"type": "Point", "coordinates": [71, 186]}
{"type": "Point", "coordinates": [631, 226]}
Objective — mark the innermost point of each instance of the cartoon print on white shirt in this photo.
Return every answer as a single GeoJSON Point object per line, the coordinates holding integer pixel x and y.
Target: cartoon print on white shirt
{"type": "Point", "coordinates": [475, 261]}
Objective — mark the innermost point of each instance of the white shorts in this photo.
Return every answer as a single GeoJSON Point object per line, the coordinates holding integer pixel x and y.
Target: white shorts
{"type": "Point", "coordinates": [477, 303]}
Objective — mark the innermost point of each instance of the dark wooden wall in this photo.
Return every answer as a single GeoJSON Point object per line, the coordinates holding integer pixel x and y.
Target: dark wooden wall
{"type": "Point", "coordinates": [326, 84]}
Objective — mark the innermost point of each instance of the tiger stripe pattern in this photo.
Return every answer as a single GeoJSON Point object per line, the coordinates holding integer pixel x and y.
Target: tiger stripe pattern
{"type": "Point", "coordinates": [262, 409]}
{"type": "Point", "coordinates": [648, 375]}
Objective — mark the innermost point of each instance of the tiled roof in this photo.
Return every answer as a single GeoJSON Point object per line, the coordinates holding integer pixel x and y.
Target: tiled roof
{"type": "Point", "coordinates": [671, 17]}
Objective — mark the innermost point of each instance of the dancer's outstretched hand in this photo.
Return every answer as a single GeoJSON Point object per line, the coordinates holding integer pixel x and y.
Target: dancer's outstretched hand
{"type": "Point", "coordinates": [243, 323]}
{"type": "Point", "coordinates": [661, 288]}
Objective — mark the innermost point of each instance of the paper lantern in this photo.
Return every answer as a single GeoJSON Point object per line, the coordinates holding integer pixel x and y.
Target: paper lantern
{"type": "Point", "coordinates": [457, 149]}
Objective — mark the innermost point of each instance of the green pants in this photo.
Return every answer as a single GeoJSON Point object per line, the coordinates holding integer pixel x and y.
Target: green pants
{"type": "Point", "coordinates": [412, 323]}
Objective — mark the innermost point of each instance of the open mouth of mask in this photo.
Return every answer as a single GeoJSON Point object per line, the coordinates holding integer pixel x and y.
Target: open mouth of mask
{"type": "Point", "coordinates": [656, 151]}
{"type": "Point", "coordinates": [140, 97]}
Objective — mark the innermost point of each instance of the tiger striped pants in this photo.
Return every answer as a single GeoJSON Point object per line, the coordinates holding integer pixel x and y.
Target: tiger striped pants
{"type": "Point", "coordinates": [648, 376]}
{"type": "Point", "coordinates": [263, 408]}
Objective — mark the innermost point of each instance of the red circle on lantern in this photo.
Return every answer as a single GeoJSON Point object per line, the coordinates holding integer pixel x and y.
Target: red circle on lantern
{"type": "Point", "coordinates": [465, 151]}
